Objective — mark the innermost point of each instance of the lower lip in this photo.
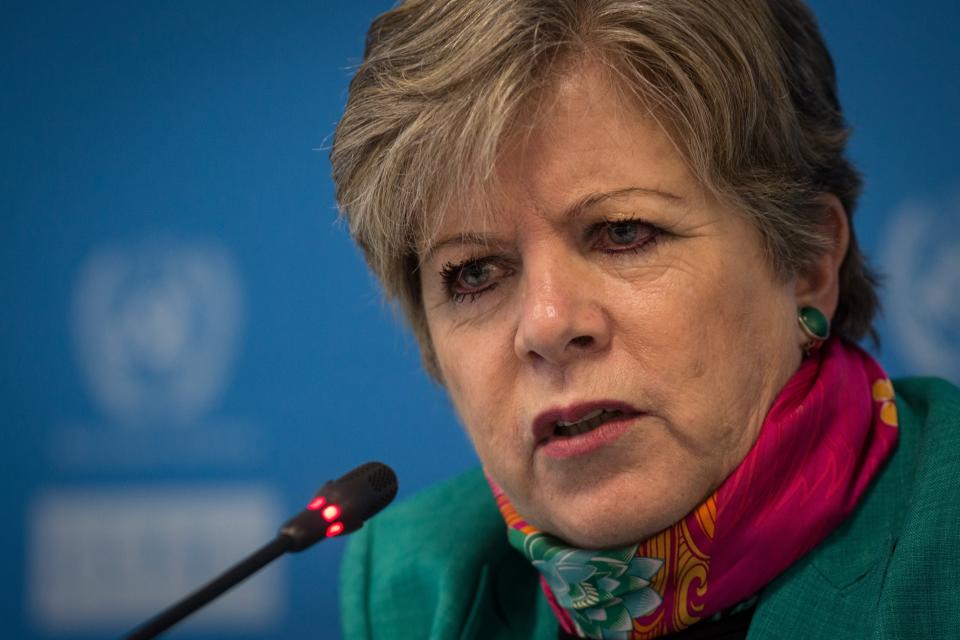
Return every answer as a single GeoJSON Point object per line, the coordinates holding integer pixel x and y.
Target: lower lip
{"type": "Point", "coordinates": [570, 446]}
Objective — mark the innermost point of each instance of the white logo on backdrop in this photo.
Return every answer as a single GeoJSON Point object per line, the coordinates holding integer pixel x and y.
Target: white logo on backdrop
{"type": "Point", "coordinates": [921, 258]}
{"type": "Point", "coordinates": [157, 326]}
{"type": "Point", "coordinates": [103, 559]}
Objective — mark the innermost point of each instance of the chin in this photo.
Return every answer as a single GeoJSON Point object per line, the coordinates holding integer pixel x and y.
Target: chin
{"type": "Point", "coordinates": [609, 535]}
{"type": "Point", "coordinates": [605, 526]}
{"type": "Point", "coordinates": [610, 515]}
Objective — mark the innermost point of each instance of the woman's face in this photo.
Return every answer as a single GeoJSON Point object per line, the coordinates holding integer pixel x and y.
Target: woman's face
{"type": "Point", "coordinates": [611, 292]}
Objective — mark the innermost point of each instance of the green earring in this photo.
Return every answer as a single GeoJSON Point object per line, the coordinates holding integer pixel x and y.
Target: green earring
{"type": "Point", "coordinates": [815, 326]}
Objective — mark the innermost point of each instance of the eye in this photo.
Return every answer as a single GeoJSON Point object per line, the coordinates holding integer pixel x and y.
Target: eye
{"type": "Point", "coordinates": [475, 274]}
{"type": "Point", "coordinates": [622, 233]}
{"type": "Point", "coordinates": [472, 278]}
{"type": "Point", "coordinates": [625, 235]}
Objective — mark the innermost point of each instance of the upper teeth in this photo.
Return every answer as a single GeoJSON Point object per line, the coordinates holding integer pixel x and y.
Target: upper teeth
{"type": "Point", "coordinates": [589, 416]}
{"type": "Point", "coordinates": [590, 421]}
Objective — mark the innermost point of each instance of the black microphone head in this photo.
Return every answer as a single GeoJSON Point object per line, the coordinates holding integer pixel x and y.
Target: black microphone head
{"type": "Point", "coordinates": [341, 506]}
{"type": "Point", "coordinates": [361, 493]}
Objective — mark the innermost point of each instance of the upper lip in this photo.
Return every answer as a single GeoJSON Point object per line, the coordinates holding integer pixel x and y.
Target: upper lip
{"type": "Point", "coordinates": [545, 423]}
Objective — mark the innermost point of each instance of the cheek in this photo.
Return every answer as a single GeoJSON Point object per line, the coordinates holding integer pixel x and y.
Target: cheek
{"type": "Point", "coordinates": [670, 329]}
{"type": "Point", "coordinates": [705, 339]}
{"type": "Point", "coordinates": [477, 374]}
{"type": "Point", "coordinates": [733, 311]}
{"type": "Point", "coordinates": [743, 350]}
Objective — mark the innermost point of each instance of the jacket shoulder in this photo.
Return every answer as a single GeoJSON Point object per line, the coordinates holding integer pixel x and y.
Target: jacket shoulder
{"type": "Point", "coordinates": [438, 565]}
{"type": "Point", "coordinates": [919, 591]}
{"type": "Point", "coordinates": [891, 569]}
{"type": "Point", "coordinates": [935, 402]}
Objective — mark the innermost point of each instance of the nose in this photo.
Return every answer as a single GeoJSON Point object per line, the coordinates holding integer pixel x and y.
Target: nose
{"type": "Point", "coordinates": [561, 315]}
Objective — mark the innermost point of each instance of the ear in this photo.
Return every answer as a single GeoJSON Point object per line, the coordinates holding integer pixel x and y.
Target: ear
{"type": "Point", "coordinates": [819, 284]}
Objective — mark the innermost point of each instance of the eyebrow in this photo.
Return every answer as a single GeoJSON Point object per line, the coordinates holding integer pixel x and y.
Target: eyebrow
{"type": "Point", "coordinates": [577, 209]}
{"type": "Point", "coordinates": [594, 199]}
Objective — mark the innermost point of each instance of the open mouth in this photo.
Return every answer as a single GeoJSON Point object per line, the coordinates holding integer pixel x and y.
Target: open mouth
{"type": "Point", "coordinates": [585, 424]}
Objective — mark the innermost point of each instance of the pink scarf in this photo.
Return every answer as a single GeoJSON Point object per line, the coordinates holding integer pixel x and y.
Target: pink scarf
{"type": "Point", "coordinates": [825, 438]}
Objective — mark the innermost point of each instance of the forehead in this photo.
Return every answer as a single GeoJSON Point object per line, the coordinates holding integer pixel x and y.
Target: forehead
{"type": "Point", "coordinates": [586, 134]}
{"type": "Point", "coordinates": [580, 137]}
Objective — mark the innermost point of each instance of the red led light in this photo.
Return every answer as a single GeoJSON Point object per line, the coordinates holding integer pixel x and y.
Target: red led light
{"type": "Point", "coordinates": [316, 503]}
{"type": "Point", "coordinates": [335, 529]}
{"type": "Point", "coordinates": [330, 513]}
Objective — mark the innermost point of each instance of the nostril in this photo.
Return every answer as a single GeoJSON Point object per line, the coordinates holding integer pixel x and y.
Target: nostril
{"type": "Point", "coordinates": [582, 341]}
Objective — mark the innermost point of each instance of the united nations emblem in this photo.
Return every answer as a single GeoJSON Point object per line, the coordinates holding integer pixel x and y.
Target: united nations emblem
{"type": "Point", "coordinates": [156, 327]}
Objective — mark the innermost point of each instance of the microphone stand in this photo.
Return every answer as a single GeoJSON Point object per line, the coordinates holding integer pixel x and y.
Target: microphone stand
{"type": "Point", "coordinates": [340, 507]}
{"type": "Point", "coordinates": [213, 589]}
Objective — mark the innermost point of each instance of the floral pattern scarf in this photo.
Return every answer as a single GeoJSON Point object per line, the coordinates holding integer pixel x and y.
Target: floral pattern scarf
{"type": "Point", "coordinates": [826, 436]}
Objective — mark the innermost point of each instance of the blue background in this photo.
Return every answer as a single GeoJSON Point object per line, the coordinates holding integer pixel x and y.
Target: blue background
{"type": "Point", "coordinates": [145, 136]}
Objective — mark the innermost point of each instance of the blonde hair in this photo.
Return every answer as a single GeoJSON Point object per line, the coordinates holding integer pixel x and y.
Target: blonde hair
{"type": "Point", "coordinates": [746, 89]}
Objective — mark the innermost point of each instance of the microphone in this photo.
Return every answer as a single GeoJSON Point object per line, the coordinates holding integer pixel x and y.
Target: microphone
{"type": "Point", "coordinates": [340, 507]}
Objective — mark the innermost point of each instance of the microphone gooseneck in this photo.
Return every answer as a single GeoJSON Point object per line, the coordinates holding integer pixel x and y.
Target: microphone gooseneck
{"type": "Point", "coordinates": [340, 507]}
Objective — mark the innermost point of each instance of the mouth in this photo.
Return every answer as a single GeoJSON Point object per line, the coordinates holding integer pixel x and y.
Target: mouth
{"type": "Point", "coordinates": [586, 424]}
{"type": "Point", "coordinates": [578, 420]}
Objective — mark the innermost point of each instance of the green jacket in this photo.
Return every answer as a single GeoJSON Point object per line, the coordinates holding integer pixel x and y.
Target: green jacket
{"type": "Point", "coordinates": [438, 566]}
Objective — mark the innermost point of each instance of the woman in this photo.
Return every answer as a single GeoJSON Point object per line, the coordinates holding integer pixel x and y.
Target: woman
{"type": "Point", "coordinates": [621, 233]}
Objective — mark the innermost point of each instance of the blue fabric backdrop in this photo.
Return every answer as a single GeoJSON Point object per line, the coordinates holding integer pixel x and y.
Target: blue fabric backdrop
{"type": "Point", "coordinates": [190, 345]}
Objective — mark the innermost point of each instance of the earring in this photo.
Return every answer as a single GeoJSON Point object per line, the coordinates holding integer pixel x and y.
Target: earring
{"type": "Point", "coordinates": [815, 326]}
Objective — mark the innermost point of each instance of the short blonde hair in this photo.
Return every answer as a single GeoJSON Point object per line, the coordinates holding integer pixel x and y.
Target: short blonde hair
{"type": "Point", "coordinates": [746, 89]}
